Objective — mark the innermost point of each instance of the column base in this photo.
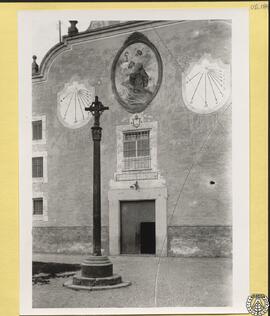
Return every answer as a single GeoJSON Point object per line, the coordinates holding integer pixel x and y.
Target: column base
{"type": "Point", "coordinates": [95, 284]}
{"type": "Point", "coordinates": [96, 274]}
{"type": "Point", "coordinates": [97, 267]}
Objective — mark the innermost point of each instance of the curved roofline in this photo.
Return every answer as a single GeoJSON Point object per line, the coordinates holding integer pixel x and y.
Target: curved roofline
{"type": "Point", "coordinates": [70, 39]}
{"type": "Point", "coordinates": [46, 59]}
{"type": "Point", "coordinates": [67, 40]}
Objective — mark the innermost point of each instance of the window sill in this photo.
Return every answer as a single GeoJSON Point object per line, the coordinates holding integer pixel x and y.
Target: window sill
{"type": "Point", "coordinates": [136, 170]}
{"type": "Point", "coordinates": [40, 218]}
{"type": "Point", "coordinates": [149, 174]}
{"type": "Point", "coordinates": [39, 180]}
{"type": "Point", "coordinates": [39, 141]}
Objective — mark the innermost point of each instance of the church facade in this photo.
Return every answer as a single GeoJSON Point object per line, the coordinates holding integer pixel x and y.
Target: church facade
{"type": "Point", "coordinates": [166, 139]}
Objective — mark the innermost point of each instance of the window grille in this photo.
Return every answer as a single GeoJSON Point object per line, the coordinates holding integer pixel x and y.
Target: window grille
{"type": "Point", "coordinates": [37, 167]}
{"type": "Point", "coordinates": [37, 129]}
{"type": "Point", "coordinates": [136, 150]}
{"type": "Point", "coordinates": [38, 206]}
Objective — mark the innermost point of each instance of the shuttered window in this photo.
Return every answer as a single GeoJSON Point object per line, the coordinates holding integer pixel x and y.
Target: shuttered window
{"type": "Point", "coordinates": [38, 206]}
{"type": "Point", "coordinates": [37, 167]}
{"type": "Point", "coordinates": [37, 130]}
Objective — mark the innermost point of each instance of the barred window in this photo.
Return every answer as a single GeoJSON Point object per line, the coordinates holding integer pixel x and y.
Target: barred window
{"type": "Point", "coordinates": [136, 150]}
{"type": "Point", "coordinates": [38, 206]}
{"type": "Point", "coordinates": [37, 167]}
{"type": "Point", "coordinates": [37, 129]}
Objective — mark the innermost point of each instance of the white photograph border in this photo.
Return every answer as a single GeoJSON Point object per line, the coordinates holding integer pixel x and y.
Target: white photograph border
{"type": "Point", "coordinates": [240, 142]}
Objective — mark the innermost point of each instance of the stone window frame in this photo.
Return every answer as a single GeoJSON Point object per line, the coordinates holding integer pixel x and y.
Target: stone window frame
{"type": "Point", "coordinates": [121, 129]}
{"type": "Point", "coordinates": [44, 155]}
{"type": "Point", "coordinates": [43, 140]}
{"type": "Point", "coordinates": [44, 216]}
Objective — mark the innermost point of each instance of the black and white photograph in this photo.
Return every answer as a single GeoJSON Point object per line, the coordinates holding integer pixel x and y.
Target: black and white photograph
{"type": "Point", "coordinates": [134, 156]}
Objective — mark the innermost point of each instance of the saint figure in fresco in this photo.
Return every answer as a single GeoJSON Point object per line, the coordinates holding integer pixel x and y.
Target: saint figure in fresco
{"type": "Point", "coordinates": [139, 78]}
{"type": "Point", "coordinates": [137, 82]}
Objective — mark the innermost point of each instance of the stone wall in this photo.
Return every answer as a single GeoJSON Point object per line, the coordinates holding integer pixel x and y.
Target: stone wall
{"type": "Point", "coordinates": [200, 241]}
{"type": "Point", "coordinates": [183, 241]}
{"type": "Point", "coordinates": [67, 240]}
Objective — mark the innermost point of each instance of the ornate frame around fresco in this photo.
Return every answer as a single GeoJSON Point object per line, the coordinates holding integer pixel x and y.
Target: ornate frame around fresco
{"type": "Point", "coordinates": [137, 37]}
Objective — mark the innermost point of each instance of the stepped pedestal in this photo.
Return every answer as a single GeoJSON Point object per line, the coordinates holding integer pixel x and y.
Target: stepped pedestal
{"type": "Point", "coordinates": [96, 274]}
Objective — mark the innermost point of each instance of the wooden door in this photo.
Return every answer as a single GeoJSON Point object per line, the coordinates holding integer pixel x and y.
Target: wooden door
{"type": "Point", "coordinates": [134, 238]}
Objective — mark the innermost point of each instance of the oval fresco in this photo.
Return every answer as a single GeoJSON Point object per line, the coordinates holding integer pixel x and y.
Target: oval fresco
{"type": "Point", "coordinates": [136, 74]}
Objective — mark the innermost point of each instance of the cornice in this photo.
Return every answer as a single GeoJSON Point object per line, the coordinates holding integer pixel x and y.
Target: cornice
{"type": "Point", "coordinates": [68, 41]}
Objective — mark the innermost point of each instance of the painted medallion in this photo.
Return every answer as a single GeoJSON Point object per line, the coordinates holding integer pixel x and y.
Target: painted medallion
{"type": "Point", "coordinates": [136, 73]}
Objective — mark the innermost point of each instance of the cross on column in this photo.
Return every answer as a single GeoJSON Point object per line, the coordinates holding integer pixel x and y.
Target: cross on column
{"type": "Point", "coordinates": [97, 270]}
{"type": "Point", "coordinates": [96, 109]}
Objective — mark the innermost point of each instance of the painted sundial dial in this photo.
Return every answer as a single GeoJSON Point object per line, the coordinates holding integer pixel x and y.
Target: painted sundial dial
{"type": "Point", "coordinates": [72, 101]}
{"type": "Point", "coordinates": [206, 85]}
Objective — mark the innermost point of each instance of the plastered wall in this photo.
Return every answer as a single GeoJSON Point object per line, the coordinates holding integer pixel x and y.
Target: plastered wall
{"type": "Point", "coordinates": [193, 150]}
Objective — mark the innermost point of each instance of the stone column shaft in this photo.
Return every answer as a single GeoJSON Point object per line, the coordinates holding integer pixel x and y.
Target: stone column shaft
{"type": "Point", "coordinates": [96, 135]}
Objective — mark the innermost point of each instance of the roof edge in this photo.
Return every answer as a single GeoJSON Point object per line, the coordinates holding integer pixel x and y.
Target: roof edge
{"type": "Point", "coordinates": [67, 40]}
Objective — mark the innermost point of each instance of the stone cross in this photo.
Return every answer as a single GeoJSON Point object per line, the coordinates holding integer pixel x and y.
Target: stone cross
{"type": "Point", "coordinates": [96, 109]}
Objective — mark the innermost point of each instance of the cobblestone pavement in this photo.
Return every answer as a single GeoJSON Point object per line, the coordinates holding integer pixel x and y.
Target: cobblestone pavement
{"type": "Point", "coordinates": [181, 282]}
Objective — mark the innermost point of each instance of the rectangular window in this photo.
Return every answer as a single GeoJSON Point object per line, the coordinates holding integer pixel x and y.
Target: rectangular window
{"type": "Point", "coordinates": [37, 130]}
{"type": "Point", "coordinates": [37, 167]}
{"type": "Point", "coordinates": [136, 150]}
{"type": "Point", "coordinates": [38, 206]}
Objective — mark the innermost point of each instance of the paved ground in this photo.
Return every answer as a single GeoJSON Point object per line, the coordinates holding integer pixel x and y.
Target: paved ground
{"type": "Point", "coordinates": [181, 282]}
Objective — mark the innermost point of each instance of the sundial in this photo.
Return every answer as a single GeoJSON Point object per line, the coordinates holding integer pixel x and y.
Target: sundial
{"type": "Point", "coordinates": [206, 85]}
{"type": "Point", "coordinates": [72, 101]}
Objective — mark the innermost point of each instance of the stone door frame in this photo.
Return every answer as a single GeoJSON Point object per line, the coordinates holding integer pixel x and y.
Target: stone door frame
{"type": "Point", "coordinates": [158, 194]}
